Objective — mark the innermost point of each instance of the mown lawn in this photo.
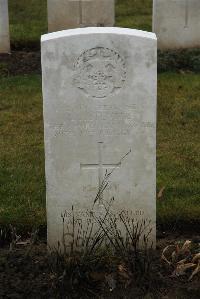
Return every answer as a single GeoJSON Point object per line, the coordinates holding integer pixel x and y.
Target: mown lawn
{"type": "Point", "coordinates": [28, 20]}
{"type": "Point", "coordinates": [178, 148]}
{"type": "Point", "coordinates": [134, 14]}
{"type": "Point", "coordinates": [22, 183]}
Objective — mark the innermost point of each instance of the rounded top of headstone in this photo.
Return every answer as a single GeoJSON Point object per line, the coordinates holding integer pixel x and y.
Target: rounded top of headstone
{"type": "Point", "coordinates": [98, 30]}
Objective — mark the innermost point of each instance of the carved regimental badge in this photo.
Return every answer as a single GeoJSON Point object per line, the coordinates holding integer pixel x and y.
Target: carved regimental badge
{"type": "Point", "coordinates": [99, 72]}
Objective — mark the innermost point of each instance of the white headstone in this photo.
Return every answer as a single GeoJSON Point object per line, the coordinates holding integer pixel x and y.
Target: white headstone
{"type": "Point", "coordinates": [4, 27]}
{"type": "Point", "coordinates": [99, 92]}
{"type": "Point", "coordinates": [66, 14]}
{"type": "Point", "coordinates": [177, 23]}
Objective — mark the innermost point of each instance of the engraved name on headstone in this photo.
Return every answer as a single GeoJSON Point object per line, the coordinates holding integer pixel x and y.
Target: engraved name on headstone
{"type": "Point", "coordinates": [99, 91]}
{"type": "Point", "coordinates": [176, 23]}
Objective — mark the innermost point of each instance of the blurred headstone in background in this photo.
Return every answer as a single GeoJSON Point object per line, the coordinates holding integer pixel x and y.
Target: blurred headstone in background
{"type": "Point", "coordinates": [66, 14]}
{"type": "Point", "coordinates": [177, 23]}
{"type": "Point", "coordinates": [4, 27]}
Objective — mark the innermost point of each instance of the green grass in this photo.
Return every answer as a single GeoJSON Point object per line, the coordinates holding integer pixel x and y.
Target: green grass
{"type": "Point", "coordinates": [178, 151]}
{"type": "Point", "coordinates": [22, 154]}
{"type": "Point", "coordinates": [28, 20]}
{"type": "Point", "coordinates": [22, 184]}
{"type": "Point", "coordinates": [134, 14]}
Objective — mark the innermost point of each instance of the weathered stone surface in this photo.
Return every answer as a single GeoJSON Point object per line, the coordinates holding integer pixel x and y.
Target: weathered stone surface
{"type": "Point", "coordinates": [177, 23]}
{"type": "Point", "coordinates": [99, 91]}
{"type": "Point", "coordinates": [67, 14]}
{"type": "Point", "coordinates": [4, 27]}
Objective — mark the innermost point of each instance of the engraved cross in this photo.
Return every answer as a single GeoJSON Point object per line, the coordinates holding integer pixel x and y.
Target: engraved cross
{"type": "Point", "coordinates": [80, 3]}
{"type": "Point", "coordinates": [186, 13]}
{"type": "Point", "coordinates": [100, 166]}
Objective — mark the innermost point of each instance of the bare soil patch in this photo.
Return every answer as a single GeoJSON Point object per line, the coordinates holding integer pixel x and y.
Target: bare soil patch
{"type": "Point", "coordinates": [24, 62]}
{"type": "Point", "coordinates": [31, 276]}
{"type": "Point", "coordinates": [20, 63]}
